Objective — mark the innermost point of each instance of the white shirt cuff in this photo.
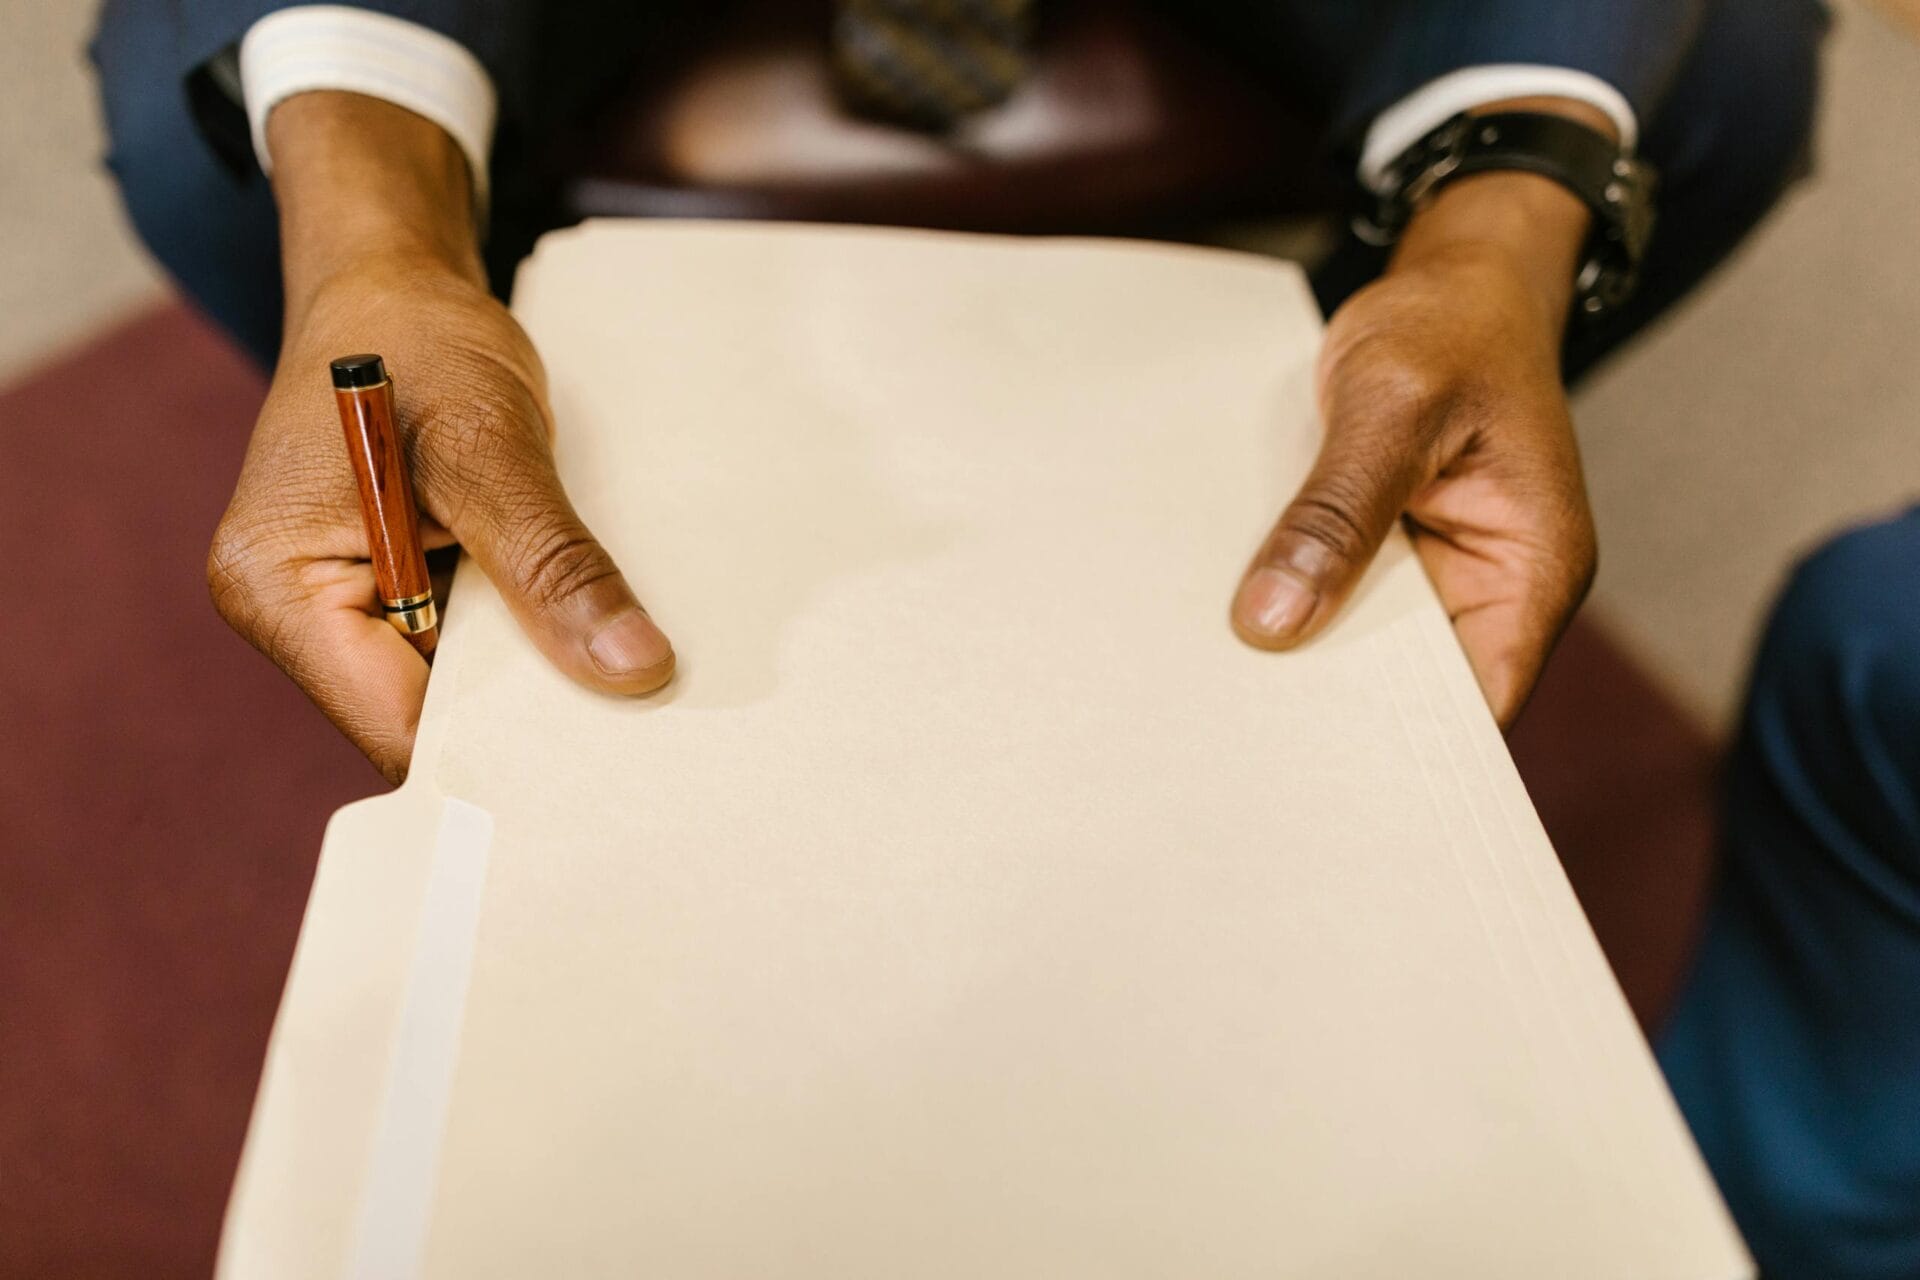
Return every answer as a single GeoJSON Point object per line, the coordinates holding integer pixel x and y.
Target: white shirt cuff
{"type": "Point", "coordinates": [332, 46]}
{"type": "Point", "coordinates": [1439, 100]}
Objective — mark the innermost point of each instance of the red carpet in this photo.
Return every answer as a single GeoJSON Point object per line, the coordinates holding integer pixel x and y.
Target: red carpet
{"type": "Point", "coordinates": [163, 790]}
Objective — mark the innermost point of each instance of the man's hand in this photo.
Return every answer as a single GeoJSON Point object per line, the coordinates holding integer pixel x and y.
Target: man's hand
{"type": "Point", "coordinates": [379, 255]}
{"type": "Point", "coordinates": [1440, 388]}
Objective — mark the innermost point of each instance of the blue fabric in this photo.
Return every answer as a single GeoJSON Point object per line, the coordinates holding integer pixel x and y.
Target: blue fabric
{"type": "Point", "coordinates": [1635, 45]}
{"type": "Point", "coordinates": [1795, 1047]}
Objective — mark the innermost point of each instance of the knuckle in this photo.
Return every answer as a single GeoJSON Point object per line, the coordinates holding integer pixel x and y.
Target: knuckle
{"type": "Point", "coordinates": [1565, 559]}
{"type": "Point", "coordinates": [1328, 516]}
{"type": "Point", "coordinates": [1329, 528]}
{"type": "Point", "coordinates": [1584, 561]}
{"type": "Point", "coordinates": [1576, 542]}
{"type": "Point", "coordinates": [558, 563]}
{"type": "Point", "coordinates": [239, 566]}
{"type": "Point", "coordinates": [232, 572]}
{"type": "Point", "coordinates": [1391, 384]}
{"type": "Point", "coordinates": [1409, 388]}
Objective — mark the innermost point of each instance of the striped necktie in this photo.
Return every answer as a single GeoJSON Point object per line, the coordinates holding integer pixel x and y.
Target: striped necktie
{"type": "Point", "coordinates": [927, 63]}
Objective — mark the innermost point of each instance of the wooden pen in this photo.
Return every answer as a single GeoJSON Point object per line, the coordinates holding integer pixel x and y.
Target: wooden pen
{"type": "Point", "coordinates": [364, 393]}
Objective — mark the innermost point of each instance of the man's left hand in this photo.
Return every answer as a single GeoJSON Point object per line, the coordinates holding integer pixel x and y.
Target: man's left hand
{"type": "Point", "coordinates": [1439, 385]}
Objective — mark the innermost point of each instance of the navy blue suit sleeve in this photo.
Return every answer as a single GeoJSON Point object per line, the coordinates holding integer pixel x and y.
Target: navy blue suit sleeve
{"type": "Point", "coordinates": [1634, 45]}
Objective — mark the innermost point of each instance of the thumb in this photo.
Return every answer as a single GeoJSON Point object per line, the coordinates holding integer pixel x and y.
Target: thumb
{"type": "Point", "coordinates": [1327, 536]}
{"type": "Point", "coordinates": [558, 580]}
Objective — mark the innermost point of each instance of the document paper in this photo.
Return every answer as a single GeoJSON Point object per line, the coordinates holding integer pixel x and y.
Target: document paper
{"type": "Point", "coordinates": [973, 903]}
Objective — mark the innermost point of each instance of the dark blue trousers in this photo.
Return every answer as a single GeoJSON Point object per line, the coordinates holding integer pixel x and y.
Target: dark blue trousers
{"type": "Point", "coordinates": [1795, 1047]}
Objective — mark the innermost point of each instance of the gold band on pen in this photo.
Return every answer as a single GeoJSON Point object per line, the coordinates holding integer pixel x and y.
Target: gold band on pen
{"type": "Point", "coordinates": [414, 614]}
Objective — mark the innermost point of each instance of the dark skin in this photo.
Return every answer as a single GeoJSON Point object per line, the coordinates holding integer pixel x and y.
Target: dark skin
{"type": "Point", "coordinates": [1439, 385]}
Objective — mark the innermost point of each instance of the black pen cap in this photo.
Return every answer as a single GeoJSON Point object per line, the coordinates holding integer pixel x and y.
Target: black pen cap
{"type": "Point", "coordinates": [351, 373]}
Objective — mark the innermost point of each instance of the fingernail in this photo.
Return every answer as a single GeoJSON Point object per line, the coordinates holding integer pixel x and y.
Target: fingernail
{"type": "Point", "coordinates": [628, 644]}
{"type": "Point", "coordinates": [1275, 604]}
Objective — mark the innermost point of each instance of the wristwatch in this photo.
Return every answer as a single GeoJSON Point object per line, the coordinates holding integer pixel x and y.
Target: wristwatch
{"type": "Point", "coordinates": [1617, 187]}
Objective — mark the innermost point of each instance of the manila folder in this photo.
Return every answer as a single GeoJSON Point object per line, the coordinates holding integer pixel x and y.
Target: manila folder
{"type": "Point", "coordinates": [973, 903]}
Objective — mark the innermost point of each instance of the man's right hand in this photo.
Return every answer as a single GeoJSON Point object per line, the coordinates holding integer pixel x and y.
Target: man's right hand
{"type": "Point", "coordinates": [379, 254]}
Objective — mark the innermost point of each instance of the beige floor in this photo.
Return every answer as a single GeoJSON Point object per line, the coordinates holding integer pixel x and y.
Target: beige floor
{"type": "Point", "coordinates": [1781, 402]}
{"type": "Point", "coordinates": [66, 262]}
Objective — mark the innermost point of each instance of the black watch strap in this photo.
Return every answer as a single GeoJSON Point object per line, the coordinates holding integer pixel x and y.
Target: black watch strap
{"type": "Point", "coordinates": [1616, 187]}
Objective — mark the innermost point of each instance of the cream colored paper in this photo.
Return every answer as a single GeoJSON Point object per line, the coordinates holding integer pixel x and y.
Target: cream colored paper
{"type": "Point", "coordinates": [973, 904]}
